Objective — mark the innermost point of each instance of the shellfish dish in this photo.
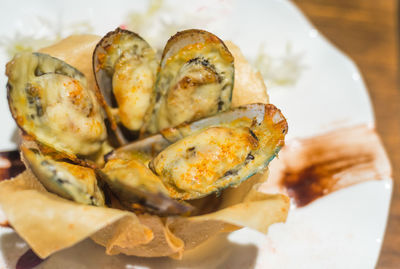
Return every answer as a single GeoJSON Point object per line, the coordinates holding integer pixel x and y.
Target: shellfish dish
{"type": "Point", "coordinates": [149, 147]}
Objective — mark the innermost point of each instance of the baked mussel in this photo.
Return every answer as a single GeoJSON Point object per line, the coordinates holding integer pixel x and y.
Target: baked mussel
{"type": "Point", "coordinates": [195, 80]}
{"type": "Point", "coordinates": [220, 156]}
{"type": "Point", "coordinates": [155, 187]}
{"type": "Point", "coordinates": [152, 145]}
{"type": "Point", "coordinates": [68, 180]}
{"type": "Point", "coordinates": [195, 159]}
{"type": "Point", "coordinates": [139, 189]}
{"type": "Point", "coordinates": [202, 145]}
{"type": "Point", "coordinates": [125, 68]}
{"type": "Point", "coordinates": [51, 103]}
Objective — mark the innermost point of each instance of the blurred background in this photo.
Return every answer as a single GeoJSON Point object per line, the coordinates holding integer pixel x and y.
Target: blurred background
{"type": "Point", "coordinates": [368, 31]}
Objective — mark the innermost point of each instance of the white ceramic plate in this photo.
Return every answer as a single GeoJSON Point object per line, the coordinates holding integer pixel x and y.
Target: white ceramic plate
{"type": "Point", "coordinates": [342, 230]}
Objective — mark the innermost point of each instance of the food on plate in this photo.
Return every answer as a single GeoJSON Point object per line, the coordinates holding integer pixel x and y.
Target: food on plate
{"type": "Point", "coordinates": [196, 176]}
{"type": "Point", "coordinates": [192, 167]}
{"type": "Point", "coordinates": [68, 180]}
{"type": "Point", "coordinates": [236, 117]}
{"type": "Point", "coordinates": [50, 101]}
{"type": "Point", "coordinates": [125, 68]}
{"type": "Point", "coordinates": [195, 80]}
{"type": "Point", "coordinates": [136, 186]}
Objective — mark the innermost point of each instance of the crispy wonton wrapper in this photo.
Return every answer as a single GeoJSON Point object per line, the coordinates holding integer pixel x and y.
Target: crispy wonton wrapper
{"type": "Point", "coordinates": [49, 223]}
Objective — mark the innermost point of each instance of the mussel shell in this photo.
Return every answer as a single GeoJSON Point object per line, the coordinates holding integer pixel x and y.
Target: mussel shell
{"type": "Point", "coordinates": [136, 187]}
{"type": "Point", "coordinates": [152, 145]}
{"type": "Point", "coordinates": [240, 116]}
{"type": "Point", "coordinates": [124, 66]}
{"type": "Point", "coordinates": [49, 101]}
{"type": "Point", "coordinates": [70, 181]}
{"type": "Point", "coordinates": [195, 80]}
{"type": "Point", "coordinates": [221, 156]}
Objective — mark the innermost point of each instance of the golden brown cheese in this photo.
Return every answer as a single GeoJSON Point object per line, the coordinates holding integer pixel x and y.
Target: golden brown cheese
{"type": "Point", "coordinates": [137, 188]}
{"type": "Point", "coordinates": [132, 87]}
{"type": "Point", "coordinates": [194, 92]}
{"type": "Point", "coordinates": [70, 181]}
{"type": "Point", "coordinates": [51, 102]}
{"type": "Point", "coordinates": [125, 69]}
{"type": "Point", "coordinates": [132, 173]}
{"type": "Point", "coordinates": [220, 156]}
{"type": "Point", "coordinates": [196, 165]}
{"type": "Point", "coordinates": [195, 80]}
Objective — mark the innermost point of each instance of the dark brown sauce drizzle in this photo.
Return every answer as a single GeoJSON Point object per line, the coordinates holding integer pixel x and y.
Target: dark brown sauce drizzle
{"type": "Point", "coordinates": [314, 167]}
{"type": "Point", "coordinates": [318, 179]}
{"type": "Point", "coordinates": [28, 260]}
{"type": "Point", "coordinates": [10, 164]}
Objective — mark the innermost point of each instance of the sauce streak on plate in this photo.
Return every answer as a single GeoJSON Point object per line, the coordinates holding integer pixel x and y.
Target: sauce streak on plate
{"type": "Point", "coordinates": [28, 260]}
{"type": "Point", "coordinates": [317, 179]}
{"type": "Point", "coordinates": [10, 164]}
{"type": "Point", "coordinates": [310, 168]}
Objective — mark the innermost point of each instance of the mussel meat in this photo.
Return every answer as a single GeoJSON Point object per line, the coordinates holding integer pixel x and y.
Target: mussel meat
{"type": "Point", "coordinates": [138, 189]}
{"type": "Point", "coordinates": [152, 145]}
{"type": "Point", "coordinates": [50, 102]}
{"type": "Point", "coordinates": [195, 80]}
{"type": "Point", "coordinates": [70, 181]}
{"type": "Point", "coordinates": [220, 156]}
{"type": "Point", "coordinates": [125, 67]}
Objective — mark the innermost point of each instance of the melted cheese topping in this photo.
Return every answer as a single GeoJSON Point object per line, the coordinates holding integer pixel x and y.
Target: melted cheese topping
{"type": "Point", "coordinates": [69, 114]}
{"type": "Point", "coordinates": [85, 178]}
{"type": "Point", "coordinates": [195, 87]}
{"type": "Point", "coordinates": [133, 82]}
{"type": "Point", "coordinates": [125, 68]}
{"type": "Point", "coordinates": [188, 90]}
{"type": "Point", "coordinates": [70, 181]}
{"type": "Point", "coordinates": [128, 174]}
{"type": "Point", "coordinates": [58, 110]}
{"type": "Point", "coordinates": [196, 165]}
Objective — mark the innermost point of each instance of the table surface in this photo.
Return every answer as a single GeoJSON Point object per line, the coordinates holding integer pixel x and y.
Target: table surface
{"type": "Point", "coordinates": [367, 31]}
